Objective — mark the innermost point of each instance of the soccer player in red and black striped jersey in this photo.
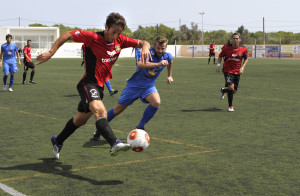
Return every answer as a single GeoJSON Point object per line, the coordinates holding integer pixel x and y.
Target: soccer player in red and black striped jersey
{"type": "Point", "coordinates": [236, 59]}
{"type": "Point", "coordinates": [212, 52]}
{"type": "Point", "coordinates": [28, 63]}
{"type": "Point", "coordinates": [102, 50]}
{"type": "Point", "coordinates": [82, 55]}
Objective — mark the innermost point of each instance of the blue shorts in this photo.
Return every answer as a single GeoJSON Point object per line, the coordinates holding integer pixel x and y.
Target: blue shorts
{"type": "Point", "coordinates": [130, 94]}
{"type": "Point", "coordinates": [9, 67]}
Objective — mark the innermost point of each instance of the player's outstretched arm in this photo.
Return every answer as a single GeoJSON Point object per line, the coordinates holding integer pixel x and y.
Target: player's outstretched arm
{"type": "Point", "coordinates": [219, 64]}
{"type": "Point", "coordinates": [243, 66]}
{"type": "Point", "coordinates": [145, 52]}
{"type": "Point", "coordinates": [58, 43]}
{"type": "Point", "coordinates": [147, 64]}
{"type": "Point", "coordinates": [18, 57]}
{"type": "Point", "coordinates": [1, 56]}
{"type": "Point", "coordinates": [170, 77]}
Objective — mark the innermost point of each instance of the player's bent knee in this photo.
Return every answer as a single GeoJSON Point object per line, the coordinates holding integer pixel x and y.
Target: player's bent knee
{"type": "Point", "coordinates": [155, 104]}
{"type": "Point", "coordinates": [119, 109]}
{"type": "Point", "coordinates": [231, 87]}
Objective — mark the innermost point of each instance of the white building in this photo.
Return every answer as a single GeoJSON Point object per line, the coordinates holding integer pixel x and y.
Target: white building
{"type": "Point", "coordinates": [41, 37]}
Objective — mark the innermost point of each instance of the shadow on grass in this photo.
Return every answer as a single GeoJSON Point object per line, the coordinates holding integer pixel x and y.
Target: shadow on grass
{"type": "Point", "coordinates": [204, 110]}
{"type": "Point", "coordinates": [52, 166]}
{"type": "Point", "coordinates": [93, 144]}
{"type": "Point", "coordinates": [74, 95]}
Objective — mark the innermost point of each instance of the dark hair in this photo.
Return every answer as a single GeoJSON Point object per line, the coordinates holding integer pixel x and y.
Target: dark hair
{"type": "Point", "coordinates": [161, 40]}
{"type": "Point", "coordinates": [236, 33]}
{"type": "Point", "coordinates": [8, 35]}
{"type": "Point", "coordinates": [115, 19]}
{"type": "Point", "coordinates": [29, 40]}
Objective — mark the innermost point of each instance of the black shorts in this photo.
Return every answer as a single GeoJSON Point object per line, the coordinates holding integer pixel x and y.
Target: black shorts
{"type": "Point", "coordinates": [28, 65]}
{"type": "Point", "coordinates": [88, 92]}
{"type": "Point", "coordinates": [232, 79]}
{"type": "Point", "coordinates": [212, 54]}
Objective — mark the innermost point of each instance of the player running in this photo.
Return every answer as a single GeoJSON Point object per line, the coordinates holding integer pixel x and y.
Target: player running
{"type": "Point", "coordinates": [233, 67]}
{"type": "Point", "coordinates": [28, 63]}
{"type": "Point", "coordinates": [8, 52]}
{"type": "Point", "coordinates": [102, 51]}
{"type": "Point", "coordinates": [107, 83]}
{"type": "Point", "coordinates": [141, 85]}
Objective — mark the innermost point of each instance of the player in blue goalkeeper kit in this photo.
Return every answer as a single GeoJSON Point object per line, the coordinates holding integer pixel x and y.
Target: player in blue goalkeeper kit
{"type": "Point", "coordinates": [142, 84]}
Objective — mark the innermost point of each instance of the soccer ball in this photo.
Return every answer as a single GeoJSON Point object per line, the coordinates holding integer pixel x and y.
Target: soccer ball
{"type": "Point", "coordinates": [139, 140]}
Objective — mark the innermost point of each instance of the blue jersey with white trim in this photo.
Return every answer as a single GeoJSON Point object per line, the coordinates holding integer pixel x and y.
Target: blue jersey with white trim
{"type": "Point", "coordinates": [144, 78]}
{"type": "Point", "coordinates": [137, 53]}
{"type": "Point", "coordinates": [9, 51]}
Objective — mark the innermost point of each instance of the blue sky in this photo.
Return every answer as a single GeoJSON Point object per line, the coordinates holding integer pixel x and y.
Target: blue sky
{"type": "Point", "coordinates": [219, 14]}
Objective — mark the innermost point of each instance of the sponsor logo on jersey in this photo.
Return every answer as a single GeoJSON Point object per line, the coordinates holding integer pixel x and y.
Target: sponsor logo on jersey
{"type": "Point", "coordinates": [234, 59]}
{"type": "Point", "coordinates": [111, 54]}
{"type": "Point", "coordinates": [77, 33]}
{"type": "Point", "coordinates": [108, 60]}
{"type": "Point", "coordinates": [152, 71]}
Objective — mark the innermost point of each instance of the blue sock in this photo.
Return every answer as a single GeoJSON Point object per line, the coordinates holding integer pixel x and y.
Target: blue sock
{"type": "Point", "coordinates": [12, 79]}
{"type": "Point", "coordinates": [108, 85]}
{"type": "Point", "coordinates": [148, 114]}
{"type": "Point", "coordinates": [110, 115]}
{"type": "Point", "coordinates": [5, 79]}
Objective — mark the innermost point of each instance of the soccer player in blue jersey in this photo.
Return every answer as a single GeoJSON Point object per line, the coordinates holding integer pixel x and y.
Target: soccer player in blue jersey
{"type": "Point", "coordinates": [142, 84]}
{"type": "Point", "coordinates": [137, 54]}
{"type": "Point", "coordinates": [110, 89]}
{"type": "Point", "coordinates": [8, 53]}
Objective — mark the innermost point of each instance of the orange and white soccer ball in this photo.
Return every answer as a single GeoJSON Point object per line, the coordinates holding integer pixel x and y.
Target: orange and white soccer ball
{"type": "Point", "coordinates": [139, 140]}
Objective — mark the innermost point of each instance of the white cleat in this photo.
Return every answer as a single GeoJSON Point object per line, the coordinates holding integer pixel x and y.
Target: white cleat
{"type": "Point", "coordinates": [56, 147]}
{"type": "Point", "coordinates": [10, 89]}
{"type": "Point", "coordinates": [118, 147]}
{"type": "Point", "coordinates": [4, 87]}
{"type": "Point", "coordinates": [222, 94]}
{"type": "Point", "coordinates": [231, 109]}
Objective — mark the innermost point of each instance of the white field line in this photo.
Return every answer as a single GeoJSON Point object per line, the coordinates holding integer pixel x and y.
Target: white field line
{"type": "Point", "coordinates": [10, 190]}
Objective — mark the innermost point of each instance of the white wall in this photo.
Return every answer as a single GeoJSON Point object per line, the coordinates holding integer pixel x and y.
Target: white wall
{"type": "Point", "coordinates": [3, 32]}
{"type": "Point", "coordinates": [73, 50]}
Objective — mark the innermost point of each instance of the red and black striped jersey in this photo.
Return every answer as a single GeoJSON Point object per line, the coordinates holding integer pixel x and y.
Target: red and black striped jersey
{"type": "Point", "coordinates": [233, 58]}
{"type": "Point", "coordinates": [100, 55]}
{"type": "Point", "coordinates": [212, 48]}
{"type": "Point", "coordinates": [27, 51]}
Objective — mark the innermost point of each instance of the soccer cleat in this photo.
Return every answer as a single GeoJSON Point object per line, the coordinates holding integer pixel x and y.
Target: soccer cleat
{"type": "Point", "coordinates": [32, 81]}
{"type": "Point", "coordinates": [231, 109]}
{"type": "Point", "coordinates": [4, 87]}
{"type": "Point", "coordinates": [96, 136]}
{"type": "Point", "coordinates": [222, 94]}
{"type": "Point", "coordinates": [24, 82]}
{"type": "Point", "coordinates": [10, 89]}
{"type": "Point", "coordinates": [56, 147]}
{"type": "Point", "coordinates": [113, 92]}
{"type": "Point", "coordinates": [118, 147]}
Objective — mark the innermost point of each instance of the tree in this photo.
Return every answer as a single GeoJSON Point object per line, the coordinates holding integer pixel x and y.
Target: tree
{"type": "Point", "coordinates": [127, 32]}
{"type": "Point", "coordinates": [37, 25]}
{"type": "Point", "coordinates": [142, 34]}
{"type": "Point", "coordinates": [245, 36]}
{"type": "Point", "coordinates": [220, 37]}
